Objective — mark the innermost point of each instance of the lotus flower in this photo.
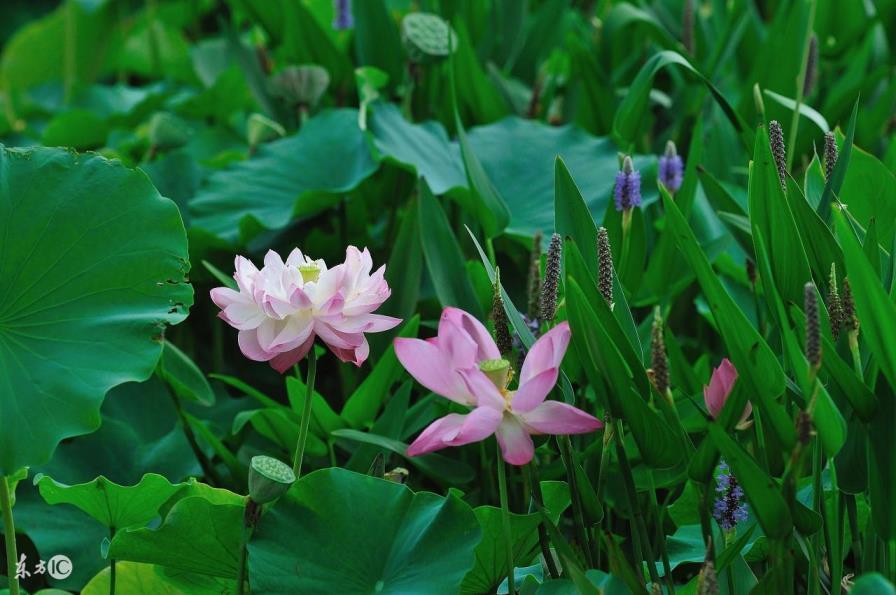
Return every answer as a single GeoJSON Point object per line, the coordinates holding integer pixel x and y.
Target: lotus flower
{"type": "Point", "coordinates": [720, 385]}
{"type": "Point", "coordinates": [463, 364]}
{"type": "Point", "coordinates": [279, 309]}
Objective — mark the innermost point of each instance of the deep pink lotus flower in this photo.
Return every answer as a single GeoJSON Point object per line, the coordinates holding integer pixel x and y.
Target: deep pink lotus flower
{"type": "Point", "coordinates": [282, 307]}
{"type": "Point", "coordinates": [720, 385]}
{"type": "Point", "coordinates": [463, 364]}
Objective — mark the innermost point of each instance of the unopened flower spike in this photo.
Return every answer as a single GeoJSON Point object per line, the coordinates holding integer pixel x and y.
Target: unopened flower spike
{"type": "Point", "coordinates": [499, 316]}
{"type": "Point", "coordinates": [671, 170]}
{"type": "Point", "coordinates": [659, 363]}
{"type": "Point", "coordinates": [729, 509]}
{"type": "Point", "coordinates": [708, 581]}
{"type": "Point", "coordinates": [813, 326]}
{"type": "Point", "coordinates": [776, 140]}
{"type": "Point", "coordinates": [850, 320]}
{"type": "Point", "coordinates": [549, 290]}
{"type": "Point", "coordinates": [830, 155]}
{"type": "Point", "coordinates": [533, 285]}
{"type": "Point", "coordinates": [835, 306]}
{"type": "Point", "coordinates": [627, 192]}
{"type": "Point", "coordinates": [605, 266]}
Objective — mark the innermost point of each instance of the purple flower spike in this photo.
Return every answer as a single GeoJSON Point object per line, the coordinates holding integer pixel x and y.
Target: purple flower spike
{"type": "Point", "coordinates": [729, 509]}
{"type": "Point", "coordinates": [671, 168]}
{"type": "Point", "coordinates": [343, 18]}
{"type": "Point", "coordinates": [627, 192]}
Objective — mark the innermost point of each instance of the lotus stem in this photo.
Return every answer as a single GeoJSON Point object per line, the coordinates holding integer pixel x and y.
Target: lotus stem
{"type": "Point", "coordinates": [9, 536]}
{"type": "Point", "coordinates": [306, 412]}
{"type": "Point", "coordinates": [505, 521]}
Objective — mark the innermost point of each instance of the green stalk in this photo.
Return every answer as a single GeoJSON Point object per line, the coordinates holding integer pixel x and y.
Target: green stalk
{"type": "Point", "coordinates": [853, 516]}
{"type": "Point", "coordinates": [577, 510]}
{"type": "Point", "coordinates": [543, 542]}
{"type": "Point", "coordinates": [111, 565]}
{"type": "Point", "coordinates": [305, 420]}
{"type": "Point", "coordinates": [800, 84]}
{"type": "Point", "coordinates": [660, 534]}
{"type": "Point", "coordinates": [640, 525]}
{"type": "Point", "coordinates": [250, 517]}
{"type": "Point", "coordinates": [9, 536]}
{"type": "Point", "coordinates": [207, 468]}
{"type": "Point", "coordinates": [505, 521]}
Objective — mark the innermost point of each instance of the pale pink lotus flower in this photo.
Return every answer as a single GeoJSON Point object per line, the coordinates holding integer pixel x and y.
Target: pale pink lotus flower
{"type": "Point", "coordinates": [462, 363]}
{"type": "Point", "coordinates": [720, 385]}
{"type": "Point", "coordinates": [279, 309]}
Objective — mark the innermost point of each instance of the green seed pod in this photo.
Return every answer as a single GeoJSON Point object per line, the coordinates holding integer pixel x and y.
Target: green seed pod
{"type": "Point", "coordinates": [301, 85]}
{"type": "Point", "coordinates": [167, 131]}
{"type": "Point", "coordinates": [268, 479]}
{"type": "Point", "coordinates": [426, 37]}
{"type": "Point", "coordinates": [261, 129]}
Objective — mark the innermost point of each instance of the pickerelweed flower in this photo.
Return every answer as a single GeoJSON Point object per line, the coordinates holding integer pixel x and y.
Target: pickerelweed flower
{"type": "Point", "coordinates": [280, 308]}
{"type": "Point", "coordinates": [462, 363]}
{"type": "Point", "coordinates": [671, 170]}
{"type": "Point", "coordinates": [627, 193]}
{"type": "Point", "coordinates": [716, 393]}
{"type": "Point", "coordinates": [729, 509]}
{"type": "Point", "coordinates": [342, 15]}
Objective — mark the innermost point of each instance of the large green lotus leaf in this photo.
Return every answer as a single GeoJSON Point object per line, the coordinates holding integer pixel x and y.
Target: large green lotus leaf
{"type": "Point", "coordinates": [288, 177]}
{"type": "Point", "coordinates": [113, 505]}
{"type": "Point", "coordinates": [341, 532]}
{"type": "Point", "coordinates": [135, 578]}
{"type": "Point", "coordinates": [491, 553]}
{"type": "Point", "coordinates": [197, 536]}
{"type": "Point", "coordinates": [139, 435]}
{"type": "Point", "coordinates": [93, 261]}
{"type": "Point", "coordinates": [518, 156]}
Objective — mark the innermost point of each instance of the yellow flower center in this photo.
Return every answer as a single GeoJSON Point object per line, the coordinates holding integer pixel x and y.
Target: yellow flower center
{"type": "Point", "coordinates": [310, 272]}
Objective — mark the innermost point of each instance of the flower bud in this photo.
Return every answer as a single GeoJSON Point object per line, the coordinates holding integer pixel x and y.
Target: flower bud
{"type": "Point", "coordinates": [551, 286]}
{"type": "Point", "coordinates": [659, 363]}
{"type": "Point", "coordinates": [503, 339]}
{"type": "Point", "coordinates": [776, 140]}
{"type": "Point", "coordinates": [830, 155]}
{"type": "Point", "coordinates": [850, 320]}
{"type": "Point", "coordinates": [605, 266]}
{"type": "Point", "coordinates": [671, 169]}
{"type": "Point", "coordinates": [342, 15]}
{"type": "Point", "coordinates": [268, 479]}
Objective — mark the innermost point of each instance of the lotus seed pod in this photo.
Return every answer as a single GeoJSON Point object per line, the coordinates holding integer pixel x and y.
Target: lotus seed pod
{"type": "Point", "coordinates": [426, 37]}
{"type": "Point", "coordinates": [167, 131]}
{"type": "Point", "coordinates": [261, 129]}
{"type": "Point", "coordinates": [301, 85]}
{"type": "Point", "coordinates": [268, 479]}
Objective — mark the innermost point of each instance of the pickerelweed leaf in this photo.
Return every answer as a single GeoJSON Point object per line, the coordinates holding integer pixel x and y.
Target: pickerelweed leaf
{"type": "Point", "coordinates": [87, 290]}
{"type": "Point", "coordinates": [754, 359]}
{"type": "Point", "coordinates": [352, 533]}
{"type": "Point", "coordinates": [630, 113]}
{"type": "Point", "coordinates": [875, 309]}
{"type": "Point", "coordinates": [444, 260]}
{"type": "Point", "coordinates": [770, 213]}
{"type": "Point", "coordinates": [184, 376]}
